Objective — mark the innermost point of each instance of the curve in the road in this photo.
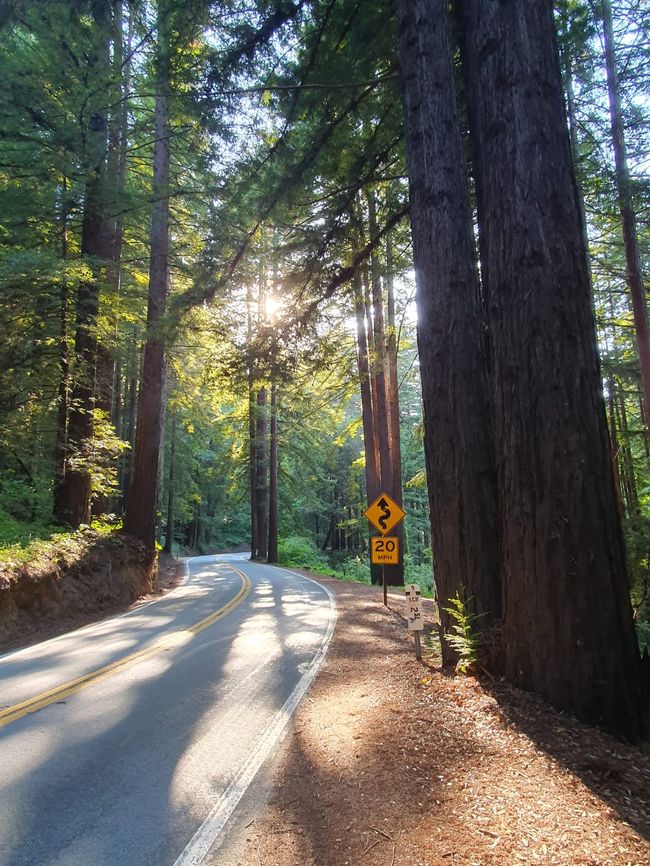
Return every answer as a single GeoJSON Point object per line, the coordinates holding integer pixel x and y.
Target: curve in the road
{"type": "Point", "coordinates": [60, 693]}
{"type": "Point", "coordinates": [210, 834]}
{"type": "Point", "coordinates": [148, 765]}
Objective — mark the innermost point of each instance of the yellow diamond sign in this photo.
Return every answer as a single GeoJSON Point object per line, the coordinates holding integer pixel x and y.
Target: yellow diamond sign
{"type": "Point", "coordinates": [384, 513]}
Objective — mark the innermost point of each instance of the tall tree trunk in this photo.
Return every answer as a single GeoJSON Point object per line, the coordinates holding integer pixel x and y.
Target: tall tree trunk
{"type": "Point", "coordinates": [272, 553]}
{"type": "Point", "coordinates": [628, 217]}
{"type": "Point", "coordinates": [106, 400]}
{"type": "Point", "coordinates": [573, 138]}
{"type": "Point", "coordinates": [628, 461]}
{"type": "Point", "coordinates": [379, 360]}
{"type": "Point", "coordinates": [459, 460]}
{"type": "Point", "coordinates": [375, 570]}
{"type": "Point", "coordinates": [251, 425]}
{"type": "Point", "coordinates": [261, 517]}
{"type": "Point", "coordinates": [169, 533]}
{"type": "Point", "coordinates": [367, 415]}
{"type": "Point", "coordinates": [61, 445]}
{"type": "Point", "coordinates": [370, 343]}
{"type": "Point", "coordinates": [129, 416]}
{"type": "Point", "coordinates": [568, 630]}
{"type": "Point", "coordinates": [75, 491]}
{"type": "Point", "coordinates": [394, 573]}
{"type": "Point", "coordinates": [140, 517]}
{"type": "Point", "coordinates": [613, 438]}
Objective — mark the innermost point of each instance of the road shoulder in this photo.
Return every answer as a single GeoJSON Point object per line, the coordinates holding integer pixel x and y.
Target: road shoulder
{"type": "Point", "coordinates": [390, 762]}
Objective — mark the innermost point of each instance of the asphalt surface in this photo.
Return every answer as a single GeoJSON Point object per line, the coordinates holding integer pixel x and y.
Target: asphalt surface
{"type": "Point", "coordinates": [133, 741]}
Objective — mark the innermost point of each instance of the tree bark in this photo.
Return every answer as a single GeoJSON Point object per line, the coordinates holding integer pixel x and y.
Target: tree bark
{"type": "Point", "coordinates": [378, 362]}
{"type": "Point", "coordinates": [169, 533]}
{"type": "Point", "coordinates": [251, 424]}
{"type": "Point", "coordinates": [367, 416]}
{"type": "Point", "coordinates": [261, 516]}
{"type": "Point", "coordinates": [459, 460]}
{"type": "Point", "coordinates": [61, 444]}
{"type": "Point", "coordinates": [394, 573]}
{"type": "Point", "coordinates": [129, 415]}
{"type": "Point", "coordinates": [568, 630]}
{"type": "Point", "coordinates": [74, 496]}
{"type": "Point", "coordinates": [116, 171]}
{"type": "Point", "coordinates": [140, 517]}
{"type": "Point", "coordinates": [628, 217]}
{"type": "Point", "coordinates": [272, 552]}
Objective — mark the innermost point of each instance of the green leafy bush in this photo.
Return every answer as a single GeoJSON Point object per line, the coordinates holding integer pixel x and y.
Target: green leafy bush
{"type": "Point", "coordinates": [421, 573]}
{"type": "Point", "coordinates": [301, 553]}
{"type": "Point", "coordinates": [356, 568]}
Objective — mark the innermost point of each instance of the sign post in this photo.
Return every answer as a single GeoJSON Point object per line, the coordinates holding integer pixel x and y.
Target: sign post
{"type": "Point", "coordinates": [414, 615]}
{"type": "Point", "coordinates": [384, 514]}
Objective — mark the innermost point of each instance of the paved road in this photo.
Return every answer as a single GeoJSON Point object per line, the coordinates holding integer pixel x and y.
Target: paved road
{"type": "Point", "coordinates": [130, 742]}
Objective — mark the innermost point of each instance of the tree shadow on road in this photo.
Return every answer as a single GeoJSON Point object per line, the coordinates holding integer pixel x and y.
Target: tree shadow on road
{"type": "Point", "coordinates": [394, 762]}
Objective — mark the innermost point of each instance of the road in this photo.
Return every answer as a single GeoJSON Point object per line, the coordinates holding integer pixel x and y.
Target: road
{"type": "Point", "coordinates": [130, 742]}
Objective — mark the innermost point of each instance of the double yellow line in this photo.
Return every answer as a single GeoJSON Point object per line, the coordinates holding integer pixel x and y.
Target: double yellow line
{"type": "Point", "coordinates": [59, 693]}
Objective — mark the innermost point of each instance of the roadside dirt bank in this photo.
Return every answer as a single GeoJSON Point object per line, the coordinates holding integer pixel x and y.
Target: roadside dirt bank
{"type": "Point", "coordinates": [392, 763]}
{"type": "Point", "coordinates": [65, 593]}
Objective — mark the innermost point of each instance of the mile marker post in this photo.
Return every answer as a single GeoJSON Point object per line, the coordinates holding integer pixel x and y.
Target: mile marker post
{"type": "Point", "coordinates": [414, 615]}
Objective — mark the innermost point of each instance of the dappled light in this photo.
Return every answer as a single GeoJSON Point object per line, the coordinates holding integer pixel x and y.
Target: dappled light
{"type": "Point", "coordinates": [324, 433]}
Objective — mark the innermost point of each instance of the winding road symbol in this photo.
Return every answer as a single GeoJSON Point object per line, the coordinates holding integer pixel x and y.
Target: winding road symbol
{"type": "Point", "coordinates": [385, 516]}
{"type": "Point", "coordinates": [384, 513]}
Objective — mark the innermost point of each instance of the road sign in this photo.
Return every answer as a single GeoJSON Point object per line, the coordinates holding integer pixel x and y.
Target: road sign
{"type": "Point", "coordinates": [384, 513]}
{"type": "Point", "coordinates": [414, 608]}
{"type": "Point", "coordinates": [384, 550]}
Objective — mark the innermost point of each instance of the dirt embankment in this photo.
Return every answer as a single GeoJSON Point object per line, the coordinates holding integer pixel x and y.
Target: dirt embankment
{"type": "Point", "coordinates": [81, 578]}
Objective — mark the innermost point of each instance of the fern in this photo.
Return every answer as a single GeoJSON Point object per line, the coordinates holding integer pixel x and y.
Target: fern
{"type": "Point", "coordinates": [464, 637]}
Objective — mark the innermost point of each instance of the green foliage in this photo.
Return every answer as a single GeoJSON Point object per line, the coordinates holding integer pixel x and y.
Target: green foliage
{"type": "Point", "coordinates": [355, 568]}
{"type": "Point", "coordinates": [19, 534]}
{"type": "Point", "coordinates": [300, 552]}
{"type": "Point", "coordinates": [99, 459]}
{"type": "Point", "coordinates": [464, 637]}
{"type": "Point", "coordinates": [37, 543]}
{"type": "Point", "coordinates": [421, 572]}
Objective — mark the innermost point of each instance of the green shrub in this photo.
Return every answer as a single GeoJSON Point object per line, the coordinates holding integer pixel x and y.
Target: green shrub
{"type": "Point", "coordinates": [355, 568]}
{"type": "Point", "coordinates": [301, 553]}
{"type": "Point", "coordinates": [422, 574]}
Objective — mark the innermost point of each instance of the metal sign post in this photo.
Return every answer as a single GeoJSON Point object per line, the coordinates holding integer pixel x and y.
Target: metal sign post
{"type": "Point", "coordinates": [414, 615]}
{"type": "Point", "coordinates": [384, 514]}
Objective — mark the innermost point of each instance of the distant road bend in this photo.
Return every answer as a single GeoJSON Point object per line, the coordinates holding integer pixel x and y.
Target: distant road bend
{"type": "Point", "coordinates": [130, 742]}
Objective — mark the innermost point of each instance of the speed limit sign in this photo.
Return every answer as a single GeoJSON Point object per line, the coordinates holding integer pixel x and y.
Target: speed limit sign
{"type": "Point", "coordinates": [384, 551]}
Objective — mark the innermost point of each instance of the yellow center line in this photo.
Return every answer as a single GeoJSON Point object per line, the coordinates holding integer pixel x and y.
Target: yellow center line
{"type": "Point", "coordinates": [44, 699]}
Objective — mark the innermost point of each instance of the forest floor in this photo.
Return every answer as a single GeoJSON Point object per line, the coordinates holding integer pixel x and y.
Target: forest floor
{"type": "Point", "coordinates": [393, 763]}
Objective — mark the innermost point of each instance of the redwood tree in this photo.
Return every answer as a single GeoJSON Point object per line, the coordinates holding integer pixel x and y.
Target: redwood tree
{"type": "Point", "coordinates": [73, 491]}
{"type": "Point", "coordinates": [140, 516]}
{"type": "Point", "coordinates": [451, 341]}
{"type": "Point", "coordinates": [568, 631]}
{"type": "Point", "coordinates": [626, 205]}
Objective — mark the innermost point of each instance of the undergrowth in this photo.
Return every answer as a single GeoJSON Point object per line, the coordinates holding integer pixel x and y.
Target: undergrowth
{"type": "Point", "coordinates": [22, 543]}
{"type": "Point", "coordinates": [464, 637]}
{"type": "Point", "coordinates": [300, 552]}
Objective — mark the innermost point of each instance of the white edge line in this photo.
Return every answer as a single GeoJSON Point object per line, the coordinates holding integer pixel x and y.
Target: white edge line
{"type": "Point", "coordinates": [84, 628]}
{"type": "Point", "coordinates": [209, 835]}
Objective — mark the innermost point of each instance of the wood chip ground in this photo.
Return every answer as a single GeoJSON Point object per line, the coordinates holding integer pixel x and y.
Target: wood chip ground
{"type": "Point", "coordinates": [393, 763]}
